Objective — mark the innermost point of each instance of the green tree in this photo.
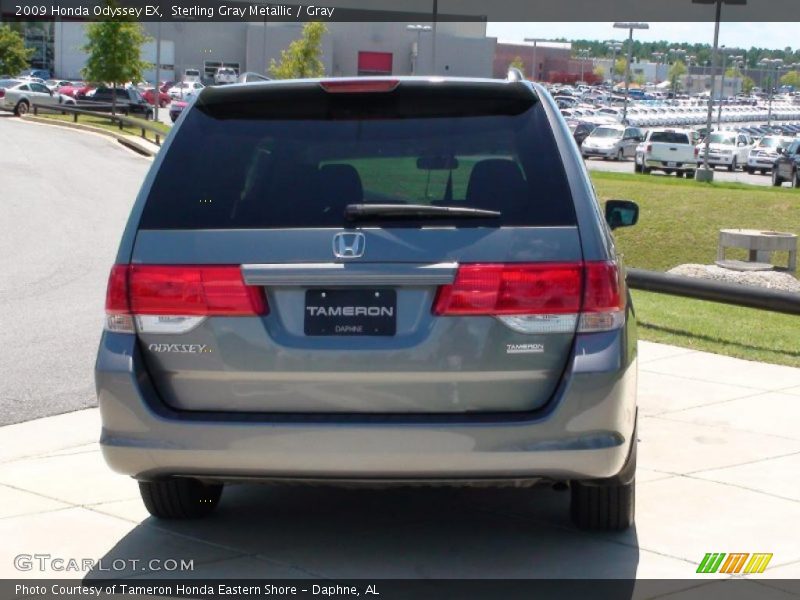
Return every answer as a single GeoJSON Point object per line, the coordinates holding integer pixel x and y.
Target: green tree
{"type": "Point", "coordinates": [620, 66]}
{"type": "Point", "coordinates": [303, 56]}
{"type": "Point", "coordinates": [748, 84]}
{"type": "Point", "coordinates": [791, 78]}
{"type": "Point", "coordinates": [600, 71]}
{"type": "Point", "coordinates": [115, 53]}
{"type": "Point", "coordinates": [13, 53]}
{"type": "Point", "coordinates": [676, 71]}
{"type": "Point", "coordinates": [640, 79]}
{"type": "Point", "coordinates": [517, 63]}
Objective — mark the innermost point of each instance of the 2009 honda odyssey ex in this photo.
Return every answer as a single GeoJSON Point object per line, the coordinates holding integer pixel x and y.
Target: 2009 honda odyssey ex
{"type": "Point", "coordinates": [371, 281]}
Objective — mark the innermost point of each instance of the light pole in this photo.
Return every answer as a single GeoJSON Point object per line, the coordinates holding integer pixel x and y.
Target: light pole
{"type": "Point", "coordinates": [615, 47]}
{"type": "Point", "coordinates": [582, 56]}
{"type": "Point", "coordinates": [535, 69]}
{"type": "Point", "coordinates": [659, 56]}
{"type": "Point", "coordinates": [630, 27]}
{"type": "Point", "coordinates": [678, 52]}
{"type": "Point", "coordinates": [722, 82]}
{"type": "Point", "coordinates": [772, 64]}
{"type": "Point", "coordinates": [705, 173]}
{"type": "Point", "coordinates": [419, 29]}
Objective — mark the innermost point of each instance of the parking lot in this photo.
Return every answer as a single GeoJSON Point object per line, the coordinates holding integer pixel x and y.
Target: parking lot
{"type": "Point", "coordinates": [713, 458]}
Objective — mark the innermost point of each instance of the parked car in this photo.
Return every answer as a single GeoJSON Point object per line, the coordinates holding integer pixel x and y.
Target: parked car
{"type": "Point", "coordinates": [178, 106]}
{"type": "Point", "coordinates": [763, 155]}
{"type": "Point", "coordinates": [40, 74]}
{"type": "Point", "coordinates": [580, 130]}
{"type": "Point", "coordinates": [127, 100]}
{"type": "Point", "coordinates": [225, 75]}
{"type": "Point", "coordinates": [165, 85]}
{"type": "Point", "coordinates": [668, 150]}
{"type": "Point", "coordinates": [499, 333]}
{"type": "Point", "coordinates": [57, 84]}
{"type": "Point", "coordinates": [149, 96]}
{"type": "Point", "coordinates": [787, 165]}
{"type": "Point", "coordinates": [191, 75]}
{"type": "Point", "coordinates": [20, 97]}
{"type": "Point", "coordinates": [727, 149]}
{"type": "Point", "coordinates": [77, 90]}
{"type": "Point", "coordinates": [250, 77]}
{"type": "Point", "coordinates": [612, 141]}
{"type": "Point", "coordinates": [185, 88]}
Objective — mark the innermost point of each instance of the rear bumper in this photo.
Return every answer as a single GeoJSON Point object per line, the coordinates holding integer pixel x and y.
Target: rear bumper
{"type": "Point", "coordinates": [678, 166]}
{"type": "Point", "coordinates": [583, 433]}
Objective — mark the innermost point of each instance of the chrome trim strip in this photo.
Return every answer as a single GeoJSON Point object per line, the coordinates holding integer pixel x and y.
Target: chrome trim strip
{"type": "Point", "coordinates": [341, 274]}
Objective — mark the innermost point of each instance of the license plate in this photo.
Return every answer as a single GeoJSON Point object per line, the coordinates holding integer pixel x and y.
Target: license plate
{"type": "Point", "coordinates": [351, 312]}
{"type": "Point", "coordinates": [672, 164]}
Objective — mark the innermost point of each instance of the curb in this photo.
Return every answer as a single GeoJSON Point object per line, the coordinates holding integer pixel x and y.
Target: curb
{"type": "Point", "coordinates": [128, 141]}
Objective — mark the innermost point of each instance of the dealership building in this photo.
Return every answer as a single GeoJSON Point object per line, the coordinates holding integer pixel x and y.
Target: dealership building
{"type": "Point", "coordinates": [366, 48]}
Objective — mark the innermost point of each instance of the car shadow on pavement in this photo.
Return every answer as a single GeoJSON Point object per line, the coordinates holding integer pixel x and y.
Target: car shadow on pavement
{"type": "Point", "coordinates": [268, 531]}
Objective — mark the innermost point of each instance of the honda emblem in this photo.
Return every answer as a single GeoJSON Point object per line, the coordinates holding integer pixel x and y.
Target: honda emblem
{"type": "Point", "coordinates": [348, 245]}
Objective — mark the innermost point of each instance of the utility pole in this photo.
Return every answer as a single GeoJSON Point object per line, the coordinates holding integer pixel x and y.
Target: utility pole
{"type": "Point", "coordinates": [630, 27]}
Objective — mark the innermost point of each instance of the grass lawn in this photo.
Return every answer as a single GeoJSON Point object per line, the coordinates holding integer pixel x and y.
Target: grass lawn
{"type": "Point", "coordinates": [679, 223]}
{"type": "Point", "coordinates": [105, 124]}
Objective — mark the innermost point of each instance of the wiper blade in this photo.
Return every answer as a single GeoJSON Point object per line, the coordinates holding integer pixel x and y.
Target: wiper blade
{"type": "Point", "coordinates": [355, 212]}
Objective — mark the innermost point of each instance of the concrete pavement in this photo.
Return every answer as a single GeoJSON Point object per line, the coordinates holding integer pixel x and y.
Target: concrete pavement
{"type": "Point", "coordinates": [66, 197]}
{"type": "Point", "coordinates": [719, 455]}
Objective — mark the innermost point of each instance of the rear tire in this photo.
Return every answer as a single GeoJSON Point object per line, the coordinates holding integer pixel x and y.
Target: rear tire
{"type": "Point", "coordinates": [750, 171]}
{"type": "Point", "coordinates": [607, 504]}
{"type": "Point", "coordinates": [646, 170]}
{"type": "Point", "coordinates": [776, 181]}
{"type": "Point", "coordinates": [22, 108]}
{"type": "Point", "coordinates": [796, 179]}
{"type": "Point", "coordinates": [733, 166]}
{"type": "Point", "coordinates": [179, 498]}
{"type": "Point", "coordinates": [620, 156]}
{"type": "Point", "coordinates": [689, 174]}
{"type": "Point", "coordinates": [603, 507]}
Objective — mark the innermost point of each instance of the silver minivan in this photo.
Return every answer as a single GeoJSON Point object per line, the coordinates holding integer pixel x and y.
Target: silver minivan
{"type": "Point", "coordinates": [612, 141]}
{"type": "Point", "coordinates": [373, 280]}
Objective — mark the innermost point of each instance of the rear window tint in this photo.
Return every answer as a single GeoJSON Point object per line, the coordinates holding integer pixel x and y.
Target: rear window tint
{"type": "Point", "coordinates": [669, 137]}
{"type": "Point", "coordinates": [297, 161]}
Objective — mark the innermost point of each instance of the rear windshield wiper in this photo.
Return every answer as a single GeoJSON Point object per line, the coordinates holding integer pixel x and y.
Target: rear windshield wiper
{"type": "Point", "coordinates": [356, 212]}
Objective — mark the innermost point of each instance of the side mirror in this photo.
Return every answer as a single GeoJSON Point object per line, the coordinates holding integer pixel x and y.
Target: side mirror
{"type": "Point", "coordinates": [621, 213]}
{"type": "Point", "coordinates": [780, 150]}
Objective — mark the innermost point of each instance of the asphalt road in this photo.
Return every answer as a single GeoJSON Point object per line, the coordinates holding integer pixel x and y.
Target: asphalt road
{"type": "Point", "coordinates": [65, 199]}
{"type": "Point", "coordinates": [720, 173]}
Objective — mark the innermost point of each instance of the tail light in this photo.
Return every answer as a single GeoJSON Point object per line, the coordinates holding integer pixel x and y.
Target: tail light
{"type": "Point", "coordinates": [2, 93]}
{"type": "Point", "coordinates": [538, 298]}
{"type": "Point", "coordinates": [649, 148]}
{"type": "Point", "coordinates": [173, 299]}
{"type": "Point", "coordinates": [356, 86]}
{"type": "Point", "coordinates": [696, 152]}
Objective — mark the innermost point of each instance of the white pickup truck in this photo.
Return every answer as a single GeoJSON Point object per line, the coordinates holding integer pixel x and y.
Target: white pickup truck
{"type": "Point", "coordinates": [668, 150]}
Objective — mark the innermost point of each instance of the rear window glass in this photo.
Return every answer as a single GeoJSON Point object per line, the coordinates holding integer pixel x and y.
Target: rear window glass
{"type": "Point", "coordinates": [669, 137]}
{"type": "Point", "coordinates": [299, 158]}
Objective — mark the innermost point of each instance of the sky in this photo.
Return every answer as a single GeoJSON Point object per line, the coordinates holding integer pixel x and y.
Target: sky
{"type": "Point", "coordinates": [743, 35]}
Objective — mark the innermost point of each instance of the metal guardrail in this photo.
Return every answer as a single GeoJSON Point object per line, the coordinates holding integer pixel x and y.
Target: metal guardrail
{"type": "Point", "coordinates": [713, 291]}
{"type": "Point", "coordinates": [120, 120]}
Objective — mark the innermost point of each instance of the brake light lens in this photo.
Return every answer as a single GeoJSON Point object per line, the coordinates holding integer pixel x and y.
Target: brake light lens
{"type": "Point", "coordinates": [511, 289]}
{"type": "Point", "coordinates": [169, 291]}
{"type": "Point", "coordinates": [354, 86]}
{"type": "Point", "coordinates": [540, 297]}
{"type": "Point", "coordinates": [2, 93]}
{"type": "Point", "coordinates": [649, 148]}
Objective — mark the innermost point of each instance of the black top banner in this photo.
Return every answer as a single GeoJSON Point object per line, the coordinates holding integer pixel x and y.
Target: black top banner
{"type": "Point", "coordinates": [405, 11]}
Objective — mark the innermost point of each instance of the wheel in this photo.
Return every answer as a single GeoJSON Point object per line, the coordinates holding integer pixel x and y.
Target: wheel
{"type": "Point", "coordinates": [179, 498]}
{"type": "Point", "coordinates": [22, 108]}
{"type": "Point", "coordinates": [733, 166]}
{"type": "Point", "coordinates": [689, 174]}
{"type": "Point", "coordinates": [749, 170]}
{"type": "Point", "coordinates": [796, 179]}
{"type": "Point", "coordinates": [620, 155]}
{"type": "Point", "coordinates": [637, 168]}
{"type": "Point", "coordinates": [646, 170]}
{"type": "Point", "coordinates": [776, 180]}
{"type": "Point", "coordinates": [763, 171]}
{"type": "Point", "coordinates": [607, 504]}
